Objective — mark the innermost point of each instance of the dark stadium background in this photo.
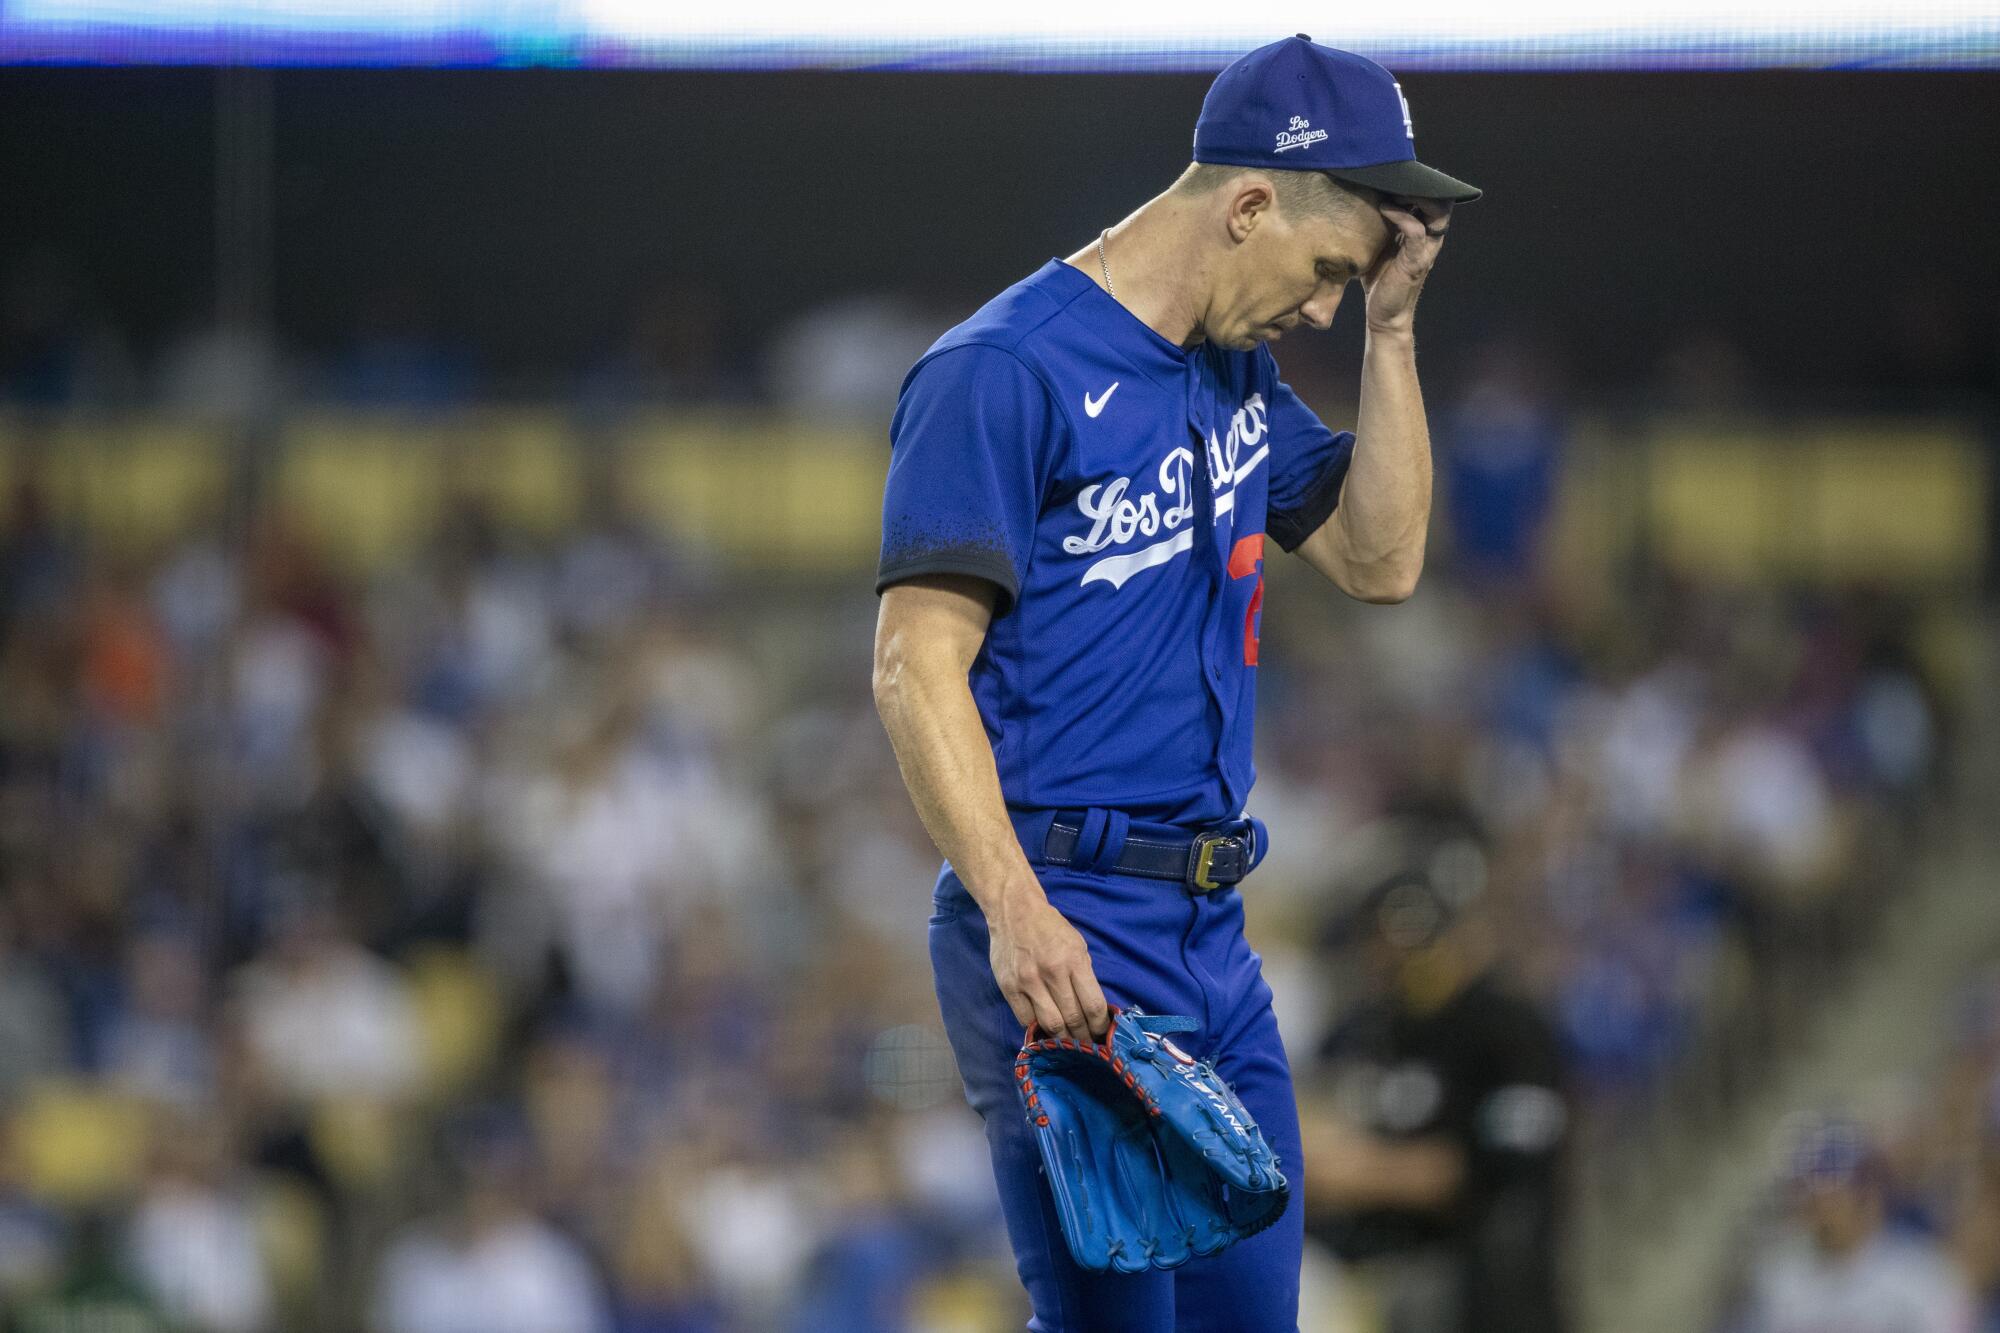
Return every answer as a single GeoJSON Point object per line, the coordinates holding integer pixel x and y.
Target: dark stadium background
{"type": "Point", "coordinates": [1792, 209]}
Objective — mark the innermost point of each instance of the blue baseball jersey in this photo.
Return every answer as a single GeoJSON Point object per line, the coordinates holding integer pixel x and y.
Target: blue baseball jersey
{"type": "Point", "coordinates": [1118, 490]}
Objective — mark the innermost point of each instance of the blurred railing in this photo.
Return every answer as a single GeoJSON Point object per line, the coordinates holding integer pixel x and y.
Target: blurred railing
{"type": "Point", "coordinates": [762, 493]}
{"type": "Point", "coordinates": [1880, 501]}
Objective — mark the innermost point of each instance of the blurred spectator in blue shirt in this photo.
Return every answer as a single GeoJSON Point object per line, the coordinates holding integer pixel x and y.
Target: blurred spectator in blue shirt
{"type": "Point", "coordinates": [398, 358]}
{"type": "Point", "coordinates": [1500, 450]}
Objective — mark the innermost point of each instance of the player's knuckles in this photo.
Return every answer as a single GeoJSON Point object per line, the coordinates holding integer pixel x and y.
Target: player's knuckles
{"type": "Point", "coordinates": [1020, 983]}
{"type": "Point", "coordinates": [1056, 967]}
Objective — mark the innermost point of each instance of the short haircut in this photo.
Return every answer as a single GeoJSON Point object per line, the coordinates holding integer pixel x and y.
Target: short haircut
{"type": "Point", "coordinates": [1300, 193]}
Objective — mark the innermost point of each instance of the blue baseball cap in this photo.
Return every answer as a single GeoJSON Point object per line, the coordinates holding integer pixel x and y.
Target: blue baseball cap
{"type": "Point", "coordinates": [1833, 1152]}
{"type": "Point", "coordinates": [1298, 106]}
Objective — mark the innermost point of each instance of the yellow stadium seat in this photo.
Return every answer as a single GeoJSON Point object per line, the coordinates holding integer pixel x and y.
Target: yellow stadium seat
{"type": "Point", "coordinates": [358, 1140]}
{"type": "Point", "coordinates": [366, 487]}
{"type": "Point", "coordinates": [527, 469]}
{"type": "Point", "coordinates": [292, 1232]}
{"type": "Point", "coordinates": [458, 1018]}
{"type": "Point", "coordinates": [1713, 498]}
{"type": "Point", "coordinates": [773, 495]}
{"type": "Point", "coordinates": [78, 1143]}
{"type": "Point", "coordinates": [1894, 504]}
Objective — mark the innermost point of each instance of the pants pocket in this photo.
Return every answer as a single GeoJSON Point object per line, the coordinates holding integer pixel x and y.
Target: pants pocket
{"type": "Point", "coordinates": [949, 900]}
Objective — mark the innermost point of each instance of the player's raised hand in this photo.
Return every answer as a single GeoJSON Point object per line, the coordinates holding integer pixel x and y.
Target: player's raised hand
{"type": "Point", "coordinates": [1043, 967]}
{"type": "Point", "coordinates": [1393, 284]}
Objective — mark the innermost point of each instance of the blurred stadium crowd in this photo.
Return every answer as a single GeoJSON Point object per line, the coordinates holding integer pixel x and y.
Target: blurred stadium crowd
{"type": "Point", "coordinates": [531, 938]}
{"type": "Point", "coordinates": [1887, 1211]}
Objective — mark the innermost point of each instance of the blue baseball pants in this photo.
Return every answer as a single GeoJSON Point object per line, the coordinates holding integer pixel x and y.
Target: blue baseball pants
{"type": "Point", "coordinates": [1154, 945]}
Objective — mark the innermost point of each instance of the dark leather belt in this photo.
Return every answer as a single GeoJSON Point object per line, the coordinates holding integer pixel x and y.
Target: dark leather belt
{"type": "Point", "coordinates": [1212, 859]}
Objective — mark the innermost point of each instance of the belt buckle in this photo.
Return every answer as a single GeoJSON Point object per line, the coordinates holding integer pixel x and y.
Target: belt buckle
{"type": "Point", "coordinates": [1201, 859]}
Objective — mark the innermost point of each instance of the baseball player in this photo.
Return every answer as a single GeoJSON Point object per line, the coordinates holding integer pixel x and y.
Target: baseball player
{"type": "Point", "coordinates": [1083, 477]}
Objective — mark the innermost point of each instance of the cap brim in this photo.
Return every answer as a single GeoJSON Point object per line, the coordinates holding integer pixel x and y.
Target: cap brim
{"type": "Point", "coordinates": [1411, 180]}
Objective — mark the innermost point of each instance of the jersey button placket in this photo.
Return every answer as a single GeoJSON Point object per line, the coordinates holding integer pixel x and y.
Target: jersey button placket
{"type": "Point", "coordinates": [1215, 559]}
{"type": "Point", "coordinates": [1205, 541]}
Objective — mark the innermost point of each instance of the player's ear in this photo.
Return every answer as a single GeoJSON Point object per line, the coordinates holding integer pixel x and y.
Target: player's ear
{"type": "Point", "coordinates": [1251, 199]}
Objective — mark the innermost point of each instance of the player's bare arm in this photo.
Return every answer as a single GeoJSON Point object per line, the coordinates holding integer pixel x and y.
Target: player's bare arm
{"type": "Point", "coordinates": [927, 634]}
{"type": "Point", "coordinates": [1373, 545]}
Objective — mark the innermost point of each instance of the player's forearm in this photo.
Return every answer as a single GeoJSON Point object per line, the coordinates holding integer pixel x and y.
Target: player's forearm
{"type": "Point", "coordinates": [1385, 503]}
{"type": "Point", "coordinates": [947, 764]}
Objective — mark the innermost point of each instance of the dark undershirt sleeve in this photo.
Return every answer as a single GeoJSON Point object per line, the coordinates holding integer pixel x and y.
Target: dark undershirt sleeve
{"type": "Point", "coordinates": [1290, 527]}
{"type": "Point", "coordinates": [969, 455]}
{"type": "Point", "coordinates": [1308, 466]}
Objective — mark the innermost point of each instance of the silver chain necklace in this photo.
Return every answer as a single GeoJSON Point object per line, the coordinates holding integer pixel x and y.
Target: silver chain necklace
{"type": "Point", "coordinates": [1104, 267]}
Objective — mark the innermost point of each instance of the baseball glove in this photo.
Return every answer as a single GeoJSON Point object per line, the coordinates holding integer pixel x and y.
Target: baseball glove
{"type": "Point", "coordinates": [1150, 1156]}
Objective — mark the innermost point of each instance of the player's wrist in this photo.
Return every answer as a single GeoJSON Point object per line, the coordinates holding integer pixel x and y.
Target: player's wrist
{"type": "Point", "coordinates": [1404, 328]}
{"type": "Point", "coordinates": [1007, 896]}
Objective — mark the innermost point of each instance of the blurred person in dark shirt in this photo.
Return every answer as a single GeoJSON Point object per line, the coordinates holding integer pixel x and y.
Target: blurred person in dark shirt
{"type": "Point", "coordinates": [1434, 1143]}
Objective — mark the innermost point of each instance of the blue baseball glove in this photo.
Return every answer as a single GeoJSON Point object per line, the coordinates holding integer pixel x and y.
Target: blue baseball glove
{"type": "Point", "coordinates": [1151, 1157]}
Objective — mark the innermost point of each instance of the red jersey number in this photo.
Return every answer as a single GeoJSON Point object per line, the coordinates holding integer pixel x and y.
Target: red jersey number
{"type": "Point", "coordinates": [1247, 558]}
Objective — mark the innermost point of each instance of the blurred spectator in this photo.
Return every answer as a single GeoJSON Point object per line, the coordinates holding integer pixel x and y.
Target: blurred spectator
{"type": "Point", "coordinates": [37, 561]}
{"type": "Point", "coordinates": [1432, 1160]}
{"type": "Point", "coordinates": [161, 1043]}
{"type": "Point", "coordinates": [867, 1269]}
{"type": "Point", "coordinates": [845, 361]}
{"type": "Point", "coordinates": [193, 1239]}
{"type": "Point", "coordinates": [1843, 1269]}
{"type": "Point", "coordinates": [490, 1265]}
{"type": "Point", "coordinates": [1755, 801]}
{"type": "Point", "coordinates": [398, 356]}
{"type": "Point", "coordinates": [33, 1019]}
{"type": "Point", "coordinates": [33, 1234]}
{"type": "Point", "coordinates": [324, 1018]}
{"type": "Point", "coordinates": [230, 370]}
{"type": "Point", "coordinates": [659, 1281]}
{"type": "Point", "coordinates": [1948, 1171]}
{"type": "Point", "coordinates": [1499, 447]}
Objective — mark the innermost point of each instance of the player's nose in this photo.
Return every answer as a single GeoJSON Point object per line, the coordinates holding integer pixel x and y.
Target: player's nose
{"type": "Point", "coordinates": [1318, 312]}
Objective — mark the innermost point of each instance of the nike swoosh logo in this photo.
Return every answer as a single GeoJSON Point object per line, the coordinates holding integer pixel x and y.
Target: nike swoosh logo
{"type": "Point", "coordinates": [1092, 408]}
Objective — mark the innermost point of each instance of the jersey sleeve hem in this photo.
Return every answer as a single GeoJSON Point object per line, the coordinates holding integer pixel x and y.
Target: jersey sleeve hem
{"type": "Point", "coordinates": [1290, 527]}
{"type": "Point", "coordinates": [990, 566]}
